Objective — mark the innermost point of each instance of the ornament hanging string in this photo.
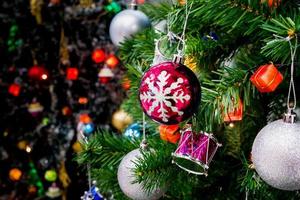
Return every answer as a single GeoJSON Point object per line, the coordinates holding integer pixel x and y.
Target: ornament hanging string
{"type": "Point", "coordinates": [181, 44]}
{"type": "Point", "coordinates": [292, 84]}
{"type": "Point", "coordinates": [171, 36]}
{"type": "Point", "coordinates": [144, 144]}
{"type": "Point", "coordinates": [144, 128]}
{"type": "Point", "coordinates": [293, 50]}
{"type": "Point", "coordinates": [88, 166]}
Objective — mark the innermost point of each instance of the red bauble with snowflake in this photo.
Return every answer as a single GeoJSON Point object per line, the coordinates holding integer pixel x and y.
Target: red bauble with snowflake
{"type": "Point", "coordinates": [169, 93]}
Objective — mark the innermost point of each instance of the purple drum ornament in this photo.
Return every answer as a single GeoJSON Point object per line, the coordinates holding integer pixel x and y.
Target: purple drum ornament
{"type": "Point", "coordinates": [195, 151]}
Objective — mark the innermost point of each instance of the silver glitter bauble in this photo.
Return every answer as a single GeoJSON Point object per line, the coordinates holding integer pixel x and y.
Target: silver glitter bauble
{"type": "Point", "coordinates": [127, 23]}
{"type": "Point", "coordinates": [126, 178]}
{"type": "Point", "coordinates": [276, 155]}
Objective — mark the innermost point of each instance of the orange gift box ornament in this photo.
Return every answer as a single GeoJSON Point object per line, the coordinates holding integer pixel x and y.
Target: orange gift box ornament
{"type": "Point", "coordinates": [126, 83]}
{"type": "Point", "coordinates": [274, 3]}
{"type": "Point", "coordinates": [266, 78]}
{"type": "Point", "coordinates": [234, 113]}
{"type": "Point", "coordinates": [169, 133]}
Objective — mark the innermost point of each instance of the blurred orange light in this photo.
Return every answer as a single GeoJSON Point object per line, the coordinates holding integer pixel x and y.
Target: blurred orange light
{"type": "Point", "coordinates": [83, 100]}
{"type": "Point", "coordinates": [112, 61]}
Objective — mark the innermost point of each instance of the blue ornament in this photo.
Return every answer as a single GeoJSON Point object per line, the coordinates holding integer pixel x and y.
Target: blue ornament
{"type": "Point", "coordinates": [92, 194]}
{"type": "Point", "coordinates": [88, 128]}
{"type": "Point", "coordinates": [95, 193]}
{"type": "Point", "coordinates": [133, 131]}
{"type": "Point", "coordinates": [211, 36]}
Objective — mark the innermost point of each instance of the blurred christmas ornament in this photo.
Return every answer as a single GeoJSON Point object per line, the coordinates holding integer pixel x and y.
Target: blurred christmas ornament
{"type": "Point", "coordinates": [13, 30]}
{"type": "Point", "coordinates": [35, 108]}
{"type": "Point", "coordinates": [54, 2]}
{"type": "Point", "coordinates": [85, 118]}
{"type": "Point", "coordinates": [32, 189]}
{"type": "Point", "coordinates": [113, 7]}
{"type": "Point", "coordinates": [15, 174]}
{"type": "Point", "coordinates": [63, 175]}
{"type": "Point", "coordinates": [44, 162]}
{"type": "Point", "coordinates": [85, 124]}
{"type": "Point", "coordinates": [22, 144]}
{"type": "Point", "coordinates": [50, 175]}
{"type": "Point", "coordinates": [83, 100]}
{"type": "Point", "coordinates": [89, 128]}
{"type": "Point", "coordinates": [112, 61]}
{"type": "Point", "coordinates": [276, 153]}
{"type": "Point", "coordinates": [66, 111]}
{"type": "Point", "coordinates": [191, 63]}
{"type": "Point", "coordinates": [273, 3]}
{"type": "Point", "coordinates": [36, 10]}
{"type": "Point", "coordinates": [133, 131]}
{"type": "Point", "coordinates": [121, 119]}
{"type": "Point", "coordinates": [266, 78]}
{"type": "Point", "coordinates": [38, 73]}
{"type": "Point", "coordinates": [34, 177]}
{"type": "Point", "coordinates": [195, 151]}
{"type": "Point", "coordinates": [86, 3]}
{"type": "Point", "coordinates": [93, 193]}
{"type": "Point", "coordinates": [72, 73]}
{"type": "Point", "coordinates": [211, 36]}
{"type": "Point", "coordinates": [3, 154]}
{"type": "Point", "coordinates": [105, 75]}
{"type": "Point", "coordinates": [169, 133]}
{"type": "Point", "coordinates": [53, 191]}
{"type": "Point", "coordinates": [98, 56]}
{"type": "Point", "coordinates": [45, 121]}
{"type": "Point", "coordinates": [126, 177]}
{"type": "Point", "coordinates": [14, 89]}
{"type": "Point", "coordinates": [13, 42]}
{"type": "Point", "coordinates": [182, 2]}
{"type": "Point", "coordinates": [234, 113]}
{"type": "Point", "coordinates": [126, 83]}
{"type": "Point", "coordinates": [127, 23]}
{"type": "Point", "coordinates": [77, 147]}
{"type": "Point", "coordinates": [169, 92]}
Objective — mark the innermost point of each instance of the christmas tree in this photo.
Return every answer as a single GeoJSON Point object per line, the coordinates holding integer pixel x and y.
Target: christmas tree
{"type": "Point", "coordinates": [244, 56]}
{"type": "Point", "coordinates": [59, 78]}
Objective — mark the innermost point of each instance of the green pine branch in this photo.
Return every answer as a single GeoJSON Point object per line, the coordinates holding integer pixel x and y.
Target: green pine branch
{"type": "Point", "coordinates": [106, 149]}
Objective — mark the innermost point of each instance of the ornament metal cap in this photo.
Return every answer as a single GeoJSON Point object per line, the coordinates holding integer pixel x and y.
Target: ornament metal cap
{"type": "Point", "coordinates": [290, 117]}
{"type": "Point", "coordinates": [133, 5]}
{"type": "Point", "coordinates": [144, 145]}
{"type": "Point", "coordinates": [178, 58]}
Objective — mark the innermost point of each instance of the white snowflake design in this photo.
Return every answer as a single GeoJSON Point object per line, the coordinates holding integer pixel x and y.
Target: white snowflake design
{"type": "Point", "coordinates": [162, 95]}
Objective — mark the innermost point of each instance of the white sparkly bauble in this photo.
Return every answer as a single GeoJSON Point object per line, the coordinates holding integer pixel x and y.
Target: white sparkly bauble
{"type": "Point", "coordinates": [276, 155]}
{"type": "Point", "coordinates": [126, 178]}
{"type": "Point", "coordinates": [127, 23]}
